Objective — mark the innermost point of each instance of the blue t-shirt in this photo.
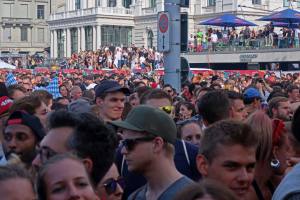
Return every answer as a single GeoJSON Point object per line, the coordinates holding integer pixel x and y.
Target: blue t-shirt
{"type": "Point", "coordinates": [169, 194]}
{"type": "Point", "coordinates": [134, 181]}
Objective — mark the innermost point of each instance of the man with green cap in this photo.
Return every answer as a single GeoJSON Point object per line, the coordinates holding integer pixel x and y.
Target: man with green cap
{"type": "Point", "coordinates": [148, 141]}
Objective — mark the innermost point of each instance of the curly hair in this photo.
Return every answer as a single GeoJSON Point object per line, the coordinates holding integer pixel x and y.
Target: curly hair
{"type": "Point", "coordinates": [94, 140]}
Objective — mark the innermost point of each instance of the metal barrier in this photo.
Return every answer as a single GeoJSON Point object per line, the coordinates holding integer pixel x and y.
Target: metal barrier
{"type": "Point", "coordinates": [239, 44]}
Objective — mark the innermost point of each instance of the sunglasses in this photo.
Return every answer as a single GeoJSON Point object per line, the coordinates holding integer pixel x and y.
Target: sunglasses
{"type": "Point", "coordinates": [167, 109]}
{"type": "Point", "coordinates": [129, 144]}
{"type": "Point", "coordinates": [111, 185]}
{"type": "Point", "coordinates": [45, 153]}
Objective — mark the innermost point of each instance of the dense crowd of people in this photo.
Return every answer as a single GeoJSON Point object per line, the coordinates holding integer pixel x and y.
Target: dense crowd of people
{"type": "Point", "coordinates": [246, 37]}
{"type": "Point", "coordinates": [110, 57]}
{"type": "Point", "coordinates": [131, 136]}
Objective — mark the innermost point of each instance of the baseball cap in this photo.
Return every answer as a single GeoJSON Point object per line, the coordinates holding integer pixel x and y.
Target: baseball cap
{"type": "Point", "coordinates": [23, 118]}
{"type": "Point", "coordinates": [152, 120]}
{"type": "Point", "coordinates": [79, 106]}
{"type": "Point", "coordinates": [251, 93]}
{"type": "Point", "coordinates": [109, 86]}
{"type": "Point", "coordinates": [5, 104]}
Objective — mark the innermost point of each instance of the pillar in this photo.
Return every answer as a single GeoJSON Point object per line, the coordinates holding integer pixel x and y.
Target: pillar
{"type": "Point", "coordinates": [68, 43]}
{"type": "Point", "coordinates": [94, 38]}
{"type": "Point", "coordinates": [104, 3]}
{"type": "Point", "coordinates": [65, 42]}
{"type": "Point", "coordinates": [67, 7]}
{"type": "Point", "coordinates": [82, 39]}
{"type": "Point", "coordinates": [79, 39]}
{"type": "Point", "coordinates": [83, 4]}
{"type": "Point", "coordinates": [51, 44]}
{"type": "Point", "coordinates": [54, 44]}
{"type": "Point", "coordinates": [98, 38]}
{"type": "Point", "coordinates": [119, 4]}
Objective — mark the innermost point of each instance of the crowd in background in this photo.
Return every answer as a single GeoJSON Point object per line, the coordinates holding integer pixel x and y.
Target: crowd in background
{"type": "Point", "coordinates": [110, 57]}
{"type": "Point", "coordinates": [252, 38]}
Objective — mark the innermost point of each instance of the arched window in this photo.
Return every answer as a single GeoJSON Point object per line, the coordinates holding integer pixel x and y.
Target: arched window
{"type": "Point", "coordinates": [127, 3]}
{"type": "Point", "coordinates": [150, 39]}
{"type": "Point", "coordinates": [112, 3]}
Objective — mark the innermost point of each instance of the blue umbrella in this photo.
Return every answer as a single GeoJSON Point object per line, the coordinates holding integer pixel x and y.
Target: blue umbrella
{"type": "Point", "coordinates": [227, 20]}
{"type": "Point", "coordinates": [287, 16]}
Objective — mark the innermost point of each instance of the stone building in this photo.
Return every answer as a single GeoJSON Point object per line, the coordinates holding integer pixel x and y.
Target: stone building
{"type": "Point", "coordinates": [89, 24]}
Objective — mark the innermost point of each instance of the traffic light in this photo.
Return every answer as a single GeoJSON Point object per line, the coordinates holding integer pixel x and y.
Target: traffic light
{"type": "Point", "coordinates": [183, 31]}
{"type": "Point", "coordinates": [184, 3]}
{"type": "Point", "coordinates": [184, 70]}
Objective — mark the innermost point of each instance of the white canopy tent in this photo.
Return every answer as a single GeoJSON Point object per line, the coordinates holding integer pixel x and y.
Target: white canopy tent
{"type": "Point", "coordinates": [4, 65]}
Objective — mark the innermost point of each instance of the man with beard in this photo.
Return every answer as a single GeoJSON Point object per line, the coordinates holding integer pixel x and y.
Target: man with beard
{"type": "Point", "coordinates": [280, 108]}
{"type": "Point", "coordinates": [22, 132]}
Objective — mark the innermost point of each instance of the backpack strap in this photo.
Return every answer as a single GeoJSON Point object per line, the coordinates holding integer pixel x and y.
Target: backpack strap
{"type": "Point", "coordinates": [185, 152]}
{"type": "Point", "coordinates": [122, 165]}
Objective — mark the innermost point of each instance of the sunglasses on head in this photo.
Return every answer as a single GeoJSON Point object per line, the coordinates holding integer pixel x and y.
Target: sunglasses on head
{"type": "Point", "coordinates": [129, 144]}
{"type": "Point", "coordinates": [167, 109]}
{"type": "Point", "coordinates": [111, 185]}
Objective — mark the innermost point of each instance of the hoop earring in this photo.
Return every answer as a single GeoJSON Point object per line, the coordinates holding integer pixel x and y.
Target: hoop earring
{"type": "Point", "coordinates": [275, 163]}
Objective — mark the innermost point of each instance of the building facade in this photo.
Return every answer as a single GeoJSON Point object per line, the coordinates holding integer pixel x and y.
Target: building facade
{"type": "Point", "coordinates": [90, 24]}
{"type": "Point", "coordinates": [24, 29]}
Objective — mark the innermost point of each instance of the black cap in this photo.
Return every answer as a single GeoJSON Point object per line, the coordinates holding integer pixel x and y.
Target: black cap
{"type": "Point", "coordinates": [110, 86]}
{"type": "Point", "coordinates": [33, 122]}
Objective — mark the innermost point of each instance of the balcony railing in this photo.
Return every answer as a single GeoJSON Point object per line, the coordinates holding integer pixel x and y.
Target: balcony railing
{"type": "Point", "coordinates": [92, 11]}
{"type": "Point", "coordinates": [10, 20]}
{"type": "Point", "coordinates": [147, 11]}
{"type": "Point", "coordinates": [239, 44]}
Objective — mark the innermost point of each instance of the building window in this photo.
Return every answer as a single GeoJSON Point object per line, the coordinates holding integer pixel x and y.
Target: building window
{"type": "Point", "coordinates": [211, 2]}
{"type": "Point", "coordinates": [127, 3]}
{"type": "Point", "coordinates": [286, 3]}
{"type": "Point", "coordinates": [98, 3]}
{"type": "Point", "coordinates": [112, 3]}
{"type": "Point", "coordinates": [88, 38]}
{"type": "Point", "coordinates": [41, 12]}
{"type": "Point", "coordinates": [152, 3]}
{"type": "Point", "coordinates": [24, 34]}
{"type": "Point", "coordinates": [150, 39]}
{"type": "Point", "coordinates": [41, 35]}
{"type": "Point", "coordinates": [256, 2]}
{"type": "Point", "coordinates": [116, 36]}
{"type": "Point", "coordinates": [74, 40]}
{"type": "Point", "coordinates": [77, 5]}
{"type": "Point", "coordinates": [7, 34]}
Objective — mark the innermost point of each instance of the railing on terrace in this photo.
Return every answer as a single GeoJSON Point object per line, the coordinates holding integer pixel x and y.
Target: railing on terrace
{"type": "Point", "coordinates": [208, 10]}
{"type": "Point", "coordinates": [239, 44]}
{"type": "Point", "coordinates": [147, 11]}
{"type": "Point", "coordinates": [91, 11]}
{"type": "Point", "coordinates": [9, 20]}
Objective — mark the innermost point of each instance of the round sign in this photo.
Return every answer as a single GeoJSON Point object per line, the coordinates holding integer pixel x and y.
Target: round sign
{"type": "Point", "coordinates": [163, 23]}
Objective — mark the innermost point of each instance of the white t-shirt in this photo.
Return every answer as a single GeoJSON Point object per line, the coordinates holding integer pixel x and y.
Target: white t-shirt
{"type": "Point", "coordinates": [297, 32]}
{"type": "Point", "coordinates": [214, 38]}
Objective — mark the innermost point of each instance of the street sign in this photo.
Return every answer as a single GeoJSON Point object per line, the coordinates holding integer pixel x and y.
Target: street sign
{"type": "Point", "coordinates": [163, 32]}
